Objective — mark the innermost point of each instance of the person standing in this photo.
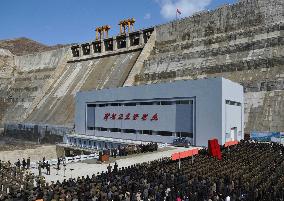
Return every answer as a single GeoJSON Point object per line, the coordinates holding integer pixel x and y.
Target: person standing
{"type": "Point", "coordinates": [109, 167]}
{"type": "Point", "coordinates": [58, 164]}
{"type": "Point", "coordinates": [18, 163]}
{"type": "Point", "coordinates": [24, 163]}
{"type": "Point", "coordinates": [115, 167]}
{"type": "Point", "coordinates": [43, 163]}
{"type": "Point", "coordinates": [39, 168]}
{"type": "Point", "coordinates": [28, 162]}
{"type": "Point", "coordinates": [47, 168]}
{"type": "Point", "coordinates": [115, 152]}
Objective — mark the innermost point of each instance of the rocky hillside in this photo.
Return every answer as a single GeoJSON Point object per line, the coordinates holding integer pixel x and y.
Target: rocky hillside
{"type": "Point", "coordinates": [23, 46]}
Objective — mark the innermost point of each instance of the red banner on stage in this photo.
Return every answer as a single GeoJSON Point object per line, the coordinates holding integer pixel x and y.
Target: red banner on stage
{"type": "Point", "coordinates": [230, 143]}
{"type": "Point", "coordinates": [184, 154]}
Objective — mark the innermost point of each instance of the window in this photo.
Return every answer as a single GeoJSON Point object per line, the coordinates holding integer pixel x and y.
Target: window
{"type": "Point", "coordinates": [129, 131]}
{"type": "Point", "coordinates": [130, 104]}
{"type": "Point", "coordinates": [165, 133]}
{"type": "Point", "coordinates": [91, 105]}
{"type": "Point", "coordinates": [228, 102]}
{"type": "Point", "coordinates": [115, 104]}
{"type": "Point", "coordinates": [146, 103]}
{"type": "Point", "coordinates": [103, 129]}
{"type": "Point", "coordinates": [102, 105]}
{"type": "Point", "coordinates": [91, 128]}
{"type": "Point", "coordinates": [166, 103]}
{"type": "Point", "coordinates": [115, 130]}
{"type": "Point", "coordinates": [148, 132]}
{"type": "Point", "coordinates": [262, 86]}
{"type": "Point", "coordinates": [184, 102]}
{"type": "Point", "coordinates": [185, 134]}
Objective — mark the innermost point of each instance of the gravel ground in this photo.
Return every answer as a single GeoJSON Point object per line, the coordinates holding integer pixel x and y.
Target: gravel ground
{"type": "Point", "coordinates": [36, 154]}
{"type": "Point", "coordinates": [10, 144]}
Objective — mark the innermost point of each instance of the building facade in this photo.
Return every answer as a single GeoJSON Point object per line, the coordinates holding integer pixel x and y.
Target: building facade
{"type": "Point", "coordinates": [196, 109]}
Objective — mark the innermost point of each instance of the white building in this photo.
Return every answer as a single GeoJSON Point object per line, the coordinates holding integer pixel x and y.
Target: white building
{"type": "Point", "coordinates": [197, 109]}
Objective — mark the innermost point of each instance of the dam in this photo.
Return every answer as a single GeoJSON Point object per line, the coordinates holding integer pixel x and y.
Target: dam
{"type": "Point", "coordinates": [242, 42]}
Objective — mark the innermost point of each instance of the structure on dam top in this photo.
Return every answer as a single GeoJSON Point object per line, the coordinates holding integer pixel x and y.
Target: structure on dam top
{"type": "Point", "coordinates": [127, 24]}
{"type": "Point", "coordinates": [125, 41]}
{"type": "Point", "coordinates": [102, 32]}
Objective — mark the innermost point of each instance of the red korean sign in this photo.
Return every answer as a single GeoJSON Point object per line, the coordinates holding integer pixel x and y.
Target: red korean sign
{"type": "Point", "coordinates": [129, 116]}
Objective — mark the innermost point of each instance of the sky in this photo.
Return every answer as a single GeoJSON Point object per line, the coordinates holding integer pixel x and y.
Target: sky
{"type": "Point", "coordinates": [74, 21]}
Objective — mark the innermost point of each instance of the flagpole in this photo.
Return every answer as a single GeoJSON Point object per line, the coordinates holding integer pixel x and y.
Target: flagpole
{"type": "Point", "coordinates": [176, 15]}
{"type": "Point", "coordinates": [176, 19]}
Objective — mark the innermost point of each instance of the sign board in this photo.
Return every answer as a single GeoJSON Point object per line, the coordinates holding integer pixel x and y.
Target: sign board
{"type": "Point", "coordinates": [267, 136]}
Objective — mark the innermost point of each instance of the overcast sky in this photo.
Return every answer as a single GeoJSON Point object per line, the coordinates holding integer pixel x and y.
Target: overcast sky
{"type": "Point", "coordinates": [73, 21]}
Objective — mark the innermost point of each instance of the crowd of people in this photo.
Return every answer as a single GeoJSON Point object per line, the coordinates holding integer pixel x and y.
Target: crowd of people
{"type": "Point", "coordinates": [17, 182]}
{"type": "Point", "coordinates": [248, 171]}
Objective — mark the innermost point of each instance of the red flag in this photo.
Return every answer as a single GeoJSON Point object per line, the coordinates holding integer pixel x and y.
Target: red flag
{"type": "Point", "coordinates": [178, 11]}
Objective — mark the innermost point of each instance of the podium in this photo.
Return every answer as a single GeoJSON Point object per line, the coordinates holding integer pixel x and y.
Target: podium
{"type": "Point", "coordinates": [104, 157]}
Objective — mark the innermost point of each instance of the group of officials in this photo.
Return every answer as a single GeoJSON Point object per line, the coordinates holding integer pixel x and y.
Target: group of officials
{"type": "Point", "coordinates": [130, 149]}
{"type": "Point", "coordinates": [25, 163]}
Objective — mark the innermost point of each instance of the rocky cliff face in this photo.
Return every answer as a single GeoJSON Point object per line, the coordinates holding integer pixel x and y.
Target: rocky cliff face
{"type": "Point", "coordinates": [7, 69]}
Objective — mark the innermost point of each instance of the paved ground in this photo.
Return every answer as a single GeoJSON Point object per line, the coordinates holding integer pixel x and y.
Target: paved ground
{"type": "Point", "coordinates": [84, 168]}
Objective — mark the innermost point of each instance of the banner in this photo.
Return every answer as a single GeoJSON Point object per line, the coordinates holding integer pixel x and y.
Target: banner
{"type": "Point", "coordinates": [267, 136]}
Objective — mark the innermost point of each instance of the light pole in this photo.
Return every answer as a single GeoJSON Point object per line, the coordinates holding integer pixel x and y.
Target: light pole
{"type": "Point", "coordinates": [71, 172]}
{"type": "Point", "coordinates": [64, 169]}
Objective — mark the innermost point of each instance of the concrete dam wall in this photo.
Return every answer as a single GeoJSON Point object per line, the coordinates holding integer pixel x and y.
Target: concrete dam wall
{"type": "Point", "coordinates": [42, 87]}
{"type": "Point", "coordinates": [242, 42]}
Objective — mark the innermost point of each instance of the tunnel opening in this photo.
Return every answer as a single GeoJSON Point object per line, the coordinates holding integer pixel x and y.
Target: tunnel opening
{"type": "Point", "coordinates": [147, 34]}
{"type": "Point", "coordinates": [97, 47]}
{"type": "Point", "coordinates": [108, 44]}
{"type": "Point", "coordinates": [86, 49]}
{"type": "Point", "coordinates": [134, 39]}
{"type": "Point", "coordinates": [75, 51]}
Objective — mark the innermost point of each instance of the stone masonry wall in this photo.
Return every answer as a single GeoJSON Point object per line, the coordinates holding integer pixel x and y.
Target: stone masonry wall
{"type": "Point", "coordinates": [242, 42]}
